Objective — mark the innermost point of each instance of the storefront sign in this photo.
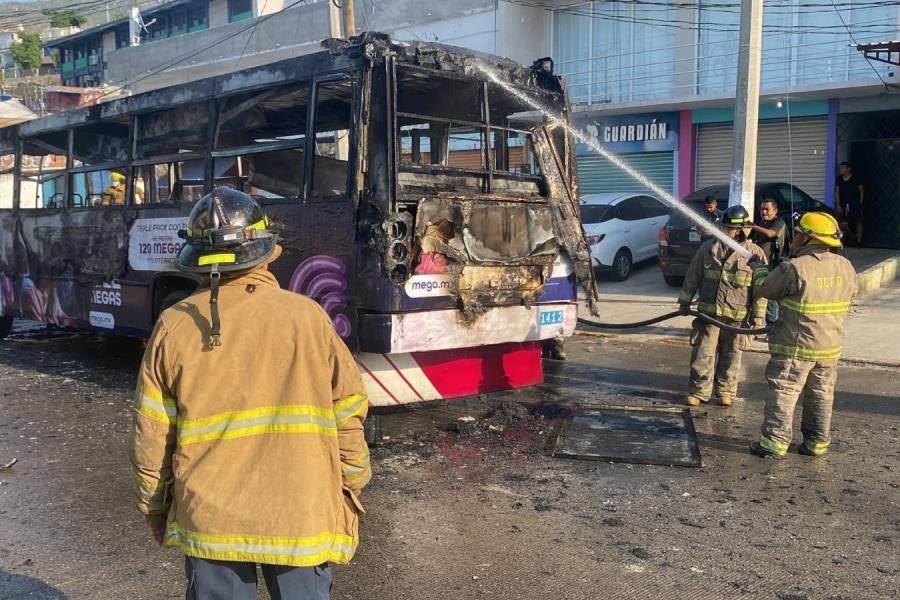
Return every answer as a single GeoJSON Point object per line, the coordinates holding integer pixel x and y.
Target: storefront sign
{"type": "Point", "coordinates": [154, 243]}
{"type": "Point", "coordinates": [653, 132]}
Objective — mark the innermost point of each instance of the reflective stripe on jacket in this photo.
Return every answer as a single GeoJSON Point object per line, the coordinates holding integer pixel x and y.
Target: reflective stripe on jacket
{"type": "Point", "coordinates": [814, 292]}
{"type": "Point", "coordinates": [254, 449]}
{"type": "Point", "coordinates": [723, 281]}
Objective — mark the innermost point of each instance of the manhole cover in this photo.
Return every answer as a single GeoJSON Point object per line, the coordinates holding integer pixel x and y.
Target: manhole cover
{"type": "Point", "coordinates": [650, 436]}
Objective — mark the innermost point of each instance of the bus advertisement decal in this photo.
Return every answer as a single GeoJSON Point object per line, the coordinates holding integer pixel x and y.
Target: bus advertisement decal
{"type": "Point", "coordinates": [103, 320]}
{"type": "Point", "coordinates": [153, 244]}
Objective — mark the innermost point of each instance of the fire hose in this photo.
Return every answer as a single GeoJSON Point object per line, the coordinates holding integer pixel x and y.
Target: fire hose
{"type": "Point", "coordinates": [672, 315]}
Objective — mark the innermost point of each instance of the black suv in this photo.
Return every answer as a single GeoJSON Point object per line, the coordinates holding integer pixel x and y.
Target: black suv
{"type": "Point", "coordinates": [680, 237]}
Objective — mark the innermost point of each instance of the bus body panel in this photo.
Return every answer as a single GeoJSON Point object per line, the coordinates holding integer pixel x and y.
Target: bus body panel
{"type": "Point", "coordinates": [442, 278]}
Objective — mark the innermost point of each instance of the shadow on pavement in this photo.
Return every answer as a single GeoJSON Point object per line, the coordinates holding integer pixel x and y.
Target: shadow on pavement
{"type": "Point", "coordinates": [21, 586]}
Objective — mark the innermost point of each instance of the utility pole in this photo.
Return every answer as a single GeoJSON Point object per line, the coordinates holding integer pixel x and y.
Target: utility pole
{"type": "Point", "coordinates": [349, 18]}
{"type": "Point", "coordinates": [746, 106]}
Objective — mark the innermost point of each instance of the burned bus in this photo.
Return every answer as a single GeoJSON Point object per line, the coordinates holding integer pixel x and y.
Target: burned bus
{"type": "Point", "coordinates": [429, 211]}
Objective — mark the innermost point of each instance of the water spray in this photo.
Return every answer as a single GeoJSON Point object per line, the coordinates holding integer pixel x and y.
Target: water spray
{"type": "Point", "coordinates": [595, 146]}
{"type": "Point", "coordinates": [665, 196]}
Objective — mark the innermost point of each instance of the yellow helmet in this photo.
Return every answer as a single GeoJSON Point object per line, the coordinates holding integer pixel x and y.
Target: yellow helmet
{"type": "Point", "coordinates": [822, 227]}
{"type": "Point", "coordinates": [116, 177]}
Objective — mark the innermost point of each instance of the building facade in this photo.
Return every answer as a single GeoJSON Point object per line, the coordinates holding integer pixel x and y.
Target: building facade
{"type": "Point", "coordinates": [629, 64]}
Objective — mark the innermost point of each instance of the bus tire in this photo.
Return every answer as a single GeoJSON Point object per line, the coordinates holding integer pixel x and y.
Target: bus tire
{"type": "Point", "coordinates": [6, 325]}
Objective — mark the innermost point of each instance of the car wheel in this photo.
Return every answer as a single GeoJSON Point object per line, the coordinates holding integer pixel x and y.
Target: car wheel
{"type": "Point", "coordinates": [621, 267]}
{"type": "Point", "coordinates": [6, 324]}
{"type": "Point", "coordinates": [673, 281]}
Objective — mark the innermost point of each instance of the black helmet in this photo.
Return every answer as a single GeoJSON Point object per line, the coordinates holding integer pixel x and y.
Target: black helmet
{"type": "Point", "coordinates": [736, 217]}
{"type": "Point", "coordinates": [227, 232]}
{"type": "Point", "coordinates": [226, 229]}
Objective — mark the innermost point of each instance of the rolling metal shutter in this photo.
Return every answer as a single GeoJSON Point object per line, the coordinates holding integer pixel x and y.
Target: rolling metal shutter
{"type": "Point", "coordinates": [774, 161]}
{"type": "Point", "coordinates": [596, 174]}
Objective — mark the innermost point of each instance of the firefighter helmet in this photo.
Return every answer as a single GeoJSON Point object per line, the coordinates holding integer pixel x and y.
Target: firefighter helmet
{"type": "Point", "coordinates": [226, 229]}
{"type": "Point", "coordinates": [736, 217]}
{"type": "Point", "coordinates": [821, 226]}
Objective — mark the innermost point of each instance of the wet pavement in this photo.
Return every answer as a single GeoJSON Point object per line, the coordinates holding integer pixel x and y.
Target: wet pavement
{"type": "Point", "coordinates": [477, 508]}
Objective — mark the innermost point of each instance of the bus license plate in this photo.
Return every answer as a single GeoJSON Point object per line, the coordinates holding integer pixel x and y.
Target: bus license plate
{"type": "Point", "coordinates": [694, 236]}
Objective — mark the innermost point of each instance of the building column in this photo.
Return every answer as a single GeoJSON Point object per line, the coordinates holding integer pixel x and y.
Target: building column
{"type": "Point", "coordinates": [686, 153]}
{"type": "Point", "coordinates": [831, 141]}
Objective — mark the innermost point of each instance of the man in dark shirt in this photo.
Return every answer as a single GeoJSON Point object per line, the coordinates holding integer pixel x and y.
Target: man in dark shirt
{"type": "Point", "coordinates": [849, 195]}
{"type": "Point", "coordinates": [769, 233]}
{"type": "Point", "coordinates": [712, 209]}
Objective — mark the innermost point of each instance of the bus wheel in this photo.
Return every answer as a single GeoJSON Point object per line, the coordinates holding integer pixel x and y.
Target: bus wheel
{"type": "Point", "coordinates": [6, 324]}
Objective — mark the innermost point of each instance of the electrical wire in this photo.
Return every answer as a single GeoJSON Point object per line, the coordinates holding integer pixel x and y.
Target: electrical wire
{"type": "Point", "coordinates": [853, 39]}
{"type": "Point", "coordinates": [161, 68]}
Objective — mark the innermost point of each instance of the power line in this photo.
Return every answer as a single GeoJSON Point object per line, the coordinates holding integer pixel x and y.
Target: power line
{"type": "Point", "coordinates": [125, 82]}
{"type": "Point", "coordinates": [852, 39]}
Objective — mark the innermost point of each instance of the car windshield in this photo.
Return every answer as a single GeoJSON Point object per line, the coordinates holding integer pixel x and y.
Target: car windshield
{"type": "Point", "coordinates": [679, 220]}
{"type": "Point", "coordinates": [596, 213]}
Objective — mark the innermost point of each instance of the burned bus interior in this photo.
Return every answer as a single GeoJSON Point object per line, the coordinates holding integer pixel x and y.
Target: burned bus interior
{"type": "Point", "coordinates": [401, 158]}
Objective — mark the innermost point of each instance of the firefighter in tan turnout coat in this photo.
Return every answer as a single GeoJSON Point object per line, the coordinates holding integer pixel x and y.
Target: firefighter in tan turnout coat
{"type": "Point", "coordinates": [723, 281]}
{"type": "Point", "coordinates": [814, 290]}
{"type": "Point", "coordinates": [247, 444]}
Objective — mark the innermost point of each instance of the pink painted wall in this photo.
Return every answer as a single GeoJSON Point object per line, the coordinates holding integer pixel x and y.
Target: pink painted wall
{"type": "Point", "coordinates": [686, 153]}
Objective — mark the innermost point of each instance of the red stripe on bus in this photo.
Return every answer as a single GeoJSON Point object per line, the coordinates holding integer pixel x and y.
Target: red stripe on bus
{"type": "Point", "coordinates": [372, 375]}
{"type": "Point", "coordinates": [468, 371]}
{"type": "Point", "coordinates": [403, 377]}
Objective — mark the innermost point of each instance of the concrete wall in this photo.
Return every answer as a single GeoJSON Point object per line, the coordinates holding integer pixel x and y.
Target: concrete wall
{"type": "Point", "coordinates": [524, 33]}
{"type": "Point", "coordinates": [109, 43]}
{"type": "Point", "coordinates": [292, 33]}
{"type": "Point", "coordinates": [295, 31]}
{"type": "Point", "coordinates": [218, 13]}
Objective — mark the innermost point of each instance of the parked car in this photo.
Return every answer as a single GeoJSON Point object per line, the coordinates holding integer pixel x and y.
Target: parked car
{"type": "Point", "coordinates": [680, 237]}
{"type": "Point", "coordinates": [621, 229]}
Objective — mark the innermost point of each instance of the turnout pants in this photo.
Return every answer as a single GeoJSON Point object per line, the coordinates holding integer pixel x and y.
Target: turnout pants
{"type": "Point", "coordinates": [232, 580]}
{"type": "Point", "coordinates": [790, 379]}
{"type": "Point", "coordinates": [715, 359]}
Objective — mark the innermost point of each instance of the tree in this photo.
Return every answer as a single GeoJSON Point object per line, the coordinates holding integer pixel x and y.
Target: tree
{"type": "Point", "coordinates": [27, 51]}
{"type": "Point", "coordinates": [68, 18]}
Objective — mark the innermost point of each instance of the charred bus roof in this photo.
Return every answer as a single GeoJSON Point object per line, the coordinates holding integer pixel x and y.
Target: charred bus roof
{"type": "Point", "coordinates": [337, 55]}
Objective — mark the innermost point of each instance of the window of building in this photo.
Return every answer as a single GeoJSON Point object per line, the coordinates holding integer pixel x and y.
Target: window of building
{"type": "Point", "coordinates": [261, 139]}
{"type": "Point", "coordinates": [334, 112]}
{"type": "Point", "coordinates": [176, 131]}
{"type": "Point", "coordinates": [198, 16]}
{"type": "Point", "coordinates": [238, 10]}
{"type": "Point", "coordinates": [178, 21]}
{"type": "Point", "coordinates": [618, 52]}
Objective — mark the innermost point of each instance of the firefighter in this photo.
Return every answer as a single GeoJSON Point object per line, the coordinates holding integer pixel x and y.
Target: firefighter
{"type": "Point", "coordinates": [814, 290]}
{"type": "Point", "coordinates": [247, 444]}
{"type": "Point", "coordinates": [723, 281]}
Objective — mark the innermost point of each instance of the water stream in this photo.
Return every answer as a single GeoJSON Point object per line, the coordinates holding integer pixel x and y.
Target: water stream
{"type": "Point", "coordinates": [592, 143]}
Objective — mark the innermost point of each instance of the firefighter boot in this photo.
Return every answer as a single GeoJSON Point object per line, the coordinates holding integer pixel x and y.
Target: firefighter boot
{"type": "Point", "coordinates": [812, 448]}
{"type": "Point", "coordinates": [725, 400]}
{"type": "Point", "coordinates": [766, 448]}
{"type": "Point", "coordinates": [694, 400]}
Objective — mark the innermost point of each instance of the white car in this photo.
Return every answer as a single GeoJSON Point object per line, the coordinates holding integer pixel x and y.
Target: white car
{"type": "Point", "coordinates": [622, 229]}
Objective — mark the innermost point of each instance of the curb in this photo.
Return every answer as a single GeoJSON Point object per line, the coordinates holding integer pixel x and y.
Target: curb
{"type": "Point", "coordinates": [878, 276]}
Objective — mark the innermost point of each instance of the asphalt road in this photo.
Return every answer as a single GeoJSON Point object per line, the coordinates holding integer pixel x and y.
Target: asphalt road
{"type": "Point", "coordinates": [483, 511]}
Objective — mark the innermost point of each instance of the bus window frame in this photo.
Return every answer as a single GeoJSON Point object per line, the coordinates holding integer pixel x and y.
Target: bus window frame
{"type": "Point", "coordinates": [489, 172]}
{"type": "Point", "coordinates": [352, 185]}
{"type": "Point", "coordinates": [18, 174]}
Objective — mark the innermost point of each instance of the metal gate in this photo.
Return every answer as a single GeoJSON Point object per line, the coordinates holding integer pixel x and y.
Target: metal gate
{"type": "Point", "coordinates": [596, 174]}
{"type": "Point", "coordinates": [798, 158]}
